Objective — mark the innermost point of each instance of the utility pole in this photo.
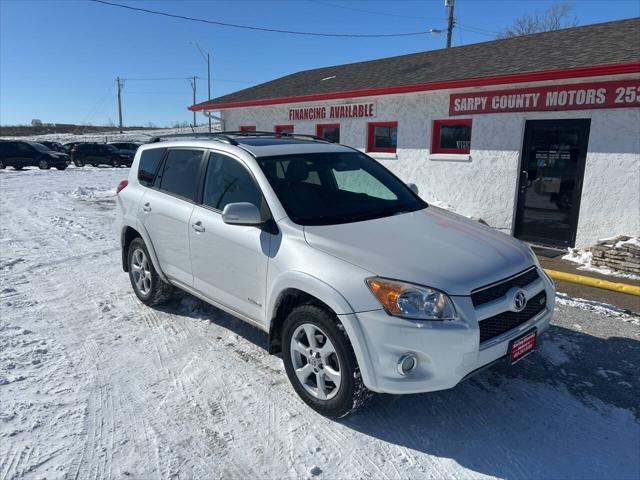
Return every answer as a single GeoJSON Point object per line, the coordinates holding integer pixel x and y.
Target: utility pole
{"type": "Point", "coordinates": [450, 23]}
{"type": "Point", "coordinates": [119, 82]}
{"type": "Point", "coordinates": [209, 87]}
{"type": "Point", "coordinates": [193, 86]}
{"type": "Point", "coordinates": [207, 58]}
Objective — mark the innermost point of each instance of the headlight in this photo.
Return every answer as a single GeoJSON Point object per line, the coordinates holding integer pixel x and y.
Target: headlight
{"type": "Point", "coordinates": [411, 301]}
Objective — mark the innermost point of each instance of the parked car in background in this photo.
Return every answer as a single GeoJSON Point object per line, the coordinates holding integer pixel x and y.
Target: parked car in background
{"type": "Point", "coordinates": [55, 146]}
{"type": "Point", "coordinates": [127, 147]}
{"type": "Point", "coordinates": [100, 154]}
{"type": "Point", "coordinates": [69, 146]}
{"type": "Point", "coordinates": [19, 154]}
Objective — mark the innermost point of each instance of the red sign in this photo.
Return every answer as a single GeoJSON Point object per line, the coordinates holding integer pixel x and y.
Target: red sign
{"type": "Point", "coordinates": [350, 110]}
{"type": "Point", "coordinates": [579, 96]}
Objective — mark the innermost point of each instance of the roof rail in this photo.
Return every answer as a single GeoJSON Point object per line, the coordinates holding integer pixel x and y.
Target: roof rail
{"type": "Point", "coordinates": [219, 136]}
{"type": "Point", "coordinates": [262, 133]}
{"type": "Point", "coordinates": [226, 136]}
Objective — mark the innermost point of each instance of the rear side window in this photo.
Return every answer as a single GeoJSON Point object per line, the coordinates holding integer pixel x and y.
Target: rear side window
{"type": "Point", "coordinates": [228, 181]}
{"type": "Point", "coordinates": [149, 161]}
{"type": "Point", "coordinates": [180, 173]}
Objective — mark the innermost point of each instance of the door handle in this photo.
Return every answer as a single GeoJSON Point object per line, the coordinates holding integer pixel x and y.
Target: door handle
{"type": "Point", "coordinates": [198, 227]}
{"type": "Point", "coordinates": [146, 207]}
{"type": "Point", "coordinates": [524, 180]}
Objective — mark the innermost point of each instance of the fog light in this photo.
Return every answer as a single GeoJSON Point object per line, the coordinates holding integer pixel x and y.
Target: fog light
{"type": "Point", "coordinates": [407, 363]}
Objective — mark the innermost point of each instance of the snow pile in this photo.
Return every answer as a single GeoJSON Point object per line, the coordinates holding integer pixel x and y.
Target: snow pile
{"type": "Point", "coordinates": [93, 193]}
{"type": "Point", "coordinates": [585, 258]}
{"type": "Point", "coordinates": [133, 136]}
{"type": "Point", "coordinates": [600, 307]}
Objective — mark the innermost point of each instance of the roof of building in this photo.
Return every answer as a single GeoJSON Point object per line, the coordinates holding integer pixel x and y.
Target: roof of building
{"type": "Point", "coordinates": [576, 50]}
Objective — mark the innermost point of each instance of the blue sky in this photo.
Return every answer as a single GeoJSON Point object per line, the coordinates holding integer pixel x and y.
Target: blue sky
{"type": "Point", "coordinates": [59, 59]}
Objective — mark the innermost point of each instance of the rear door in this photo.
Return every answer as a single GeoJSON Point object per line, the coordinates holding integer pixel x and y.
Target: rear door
{"type": "Point", "coordinates": [229, 261]}
{"type": "Point", "coordinates": [24, 154]}
{"type": "Point", "coordinates": [165, 210]}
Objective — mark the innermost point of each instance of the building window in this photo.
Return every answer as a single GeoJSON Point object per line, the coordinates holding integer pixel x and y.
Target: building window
{"type": "Point", "coordinates": [383, 137]}
{"type": "Point", "coordinates": [247, 128]}
{"type": "Point", "coordinates": [283, 129]}
{"type": "Point", "coordinates": [451, 136]}
{"type": "Point", "coordinates": [329, 131]}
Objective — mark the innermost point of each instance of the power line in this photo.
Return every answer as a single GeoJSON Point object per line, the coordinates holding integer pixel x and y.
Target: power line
{"type": "Point", "coordinates": [479, 29]}
{"type": "Point", "coordinates": [157, 78]}
{"type": "Point", "coordinates": [473, 30]}
{"type": "Point", "coordinates": [260, 29]}
{"type": "Point", "coordinates": [384, 14]}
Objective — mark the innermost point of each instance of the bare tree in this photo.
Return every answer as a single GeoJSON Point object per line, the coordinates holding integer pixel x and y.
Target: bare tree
{"type": "Point", "coordinates": [557, 16]}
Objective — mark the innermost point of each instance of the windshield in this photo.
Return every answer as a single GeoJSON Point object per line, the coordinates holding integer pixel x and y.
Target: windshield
{"type": "Point", "coordinates": [336, 187]}
{"type": "Point", "coordinates": [40, 147]}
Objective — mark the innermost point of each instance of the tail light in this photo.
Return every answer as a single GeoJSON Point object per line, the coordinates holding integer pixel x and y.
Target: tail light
{"type": "Point", "coordinates": [122, 185]}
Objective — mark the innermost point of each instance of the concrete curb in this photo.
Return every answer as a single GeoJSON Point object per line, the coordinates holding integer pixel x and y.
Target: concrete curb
{"type": "Point", "coordinates": [594, 282]}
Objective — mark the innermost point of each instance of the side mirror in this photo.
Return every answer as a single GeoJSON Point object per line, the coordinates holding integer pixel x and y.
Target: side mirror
{"type": "Point", "coordinates": [242, 213]}
{"type": "Point", "coordinates": [413, 187]}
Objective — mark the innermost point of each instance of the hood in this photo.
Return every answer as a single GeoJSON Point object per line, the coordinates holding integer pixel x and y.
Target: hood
{"type": "Point", "coordinates": [431, 247]}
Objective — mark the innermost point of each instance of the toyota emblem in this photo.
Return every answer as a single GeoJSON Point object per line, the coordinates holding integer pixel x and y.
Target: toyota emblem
{"type": "Point", "coordinates": [519, 301]}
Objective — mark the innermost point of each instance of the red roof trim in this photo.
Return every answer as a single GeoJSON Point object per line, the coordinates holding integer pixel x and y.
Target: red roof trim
{"type": "Point", "coordinates": [612, 69]}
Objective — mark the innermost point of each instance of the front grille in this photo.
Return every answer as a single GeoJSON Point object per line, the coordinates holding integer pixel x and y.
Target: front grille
{"type": "Point", "coordinates": [487, 294]}
{"type": "Point", "coordinates": [503, 322]}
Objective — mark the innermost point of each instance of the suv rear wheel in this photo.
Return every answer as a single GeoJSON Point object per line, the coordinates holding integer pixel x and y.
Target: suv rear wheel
{"type": "Point", "coordinates": [146, 283]}
{"type": "Point", "coordinates": [320, 362]}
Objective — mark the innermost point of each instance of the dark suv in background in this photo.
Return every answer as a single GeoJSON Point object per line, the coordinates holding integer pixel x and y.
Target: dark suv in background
{"type": "Point", "coordinates": [19, 154]}
{"type": "Point", "coordinates": [100, 154]}
{"type": "Point", "coordinates": [55, 146]}
{"type": "Point", "coordinates": [127, 147]}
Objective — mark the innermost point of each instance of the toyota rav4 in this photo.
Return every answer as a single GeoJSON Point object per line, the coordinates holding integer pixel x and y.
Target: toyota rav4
{"type": "Point", "coordinates": [360, 284]}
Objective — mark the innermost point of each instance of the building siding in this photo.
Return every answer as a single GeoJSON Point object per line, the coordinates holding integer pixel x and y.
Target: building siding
{"type": "Point", "coordinates": [484, 185]}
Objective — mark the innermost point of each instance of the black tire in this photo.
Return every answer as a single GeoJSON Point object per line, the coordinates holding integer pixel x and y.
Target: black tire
{"type": "Point", "coordinates": [2, 165]}
{"type": "Point", "coordinates": [94, 165]}
{"type": "Point", "coordinates": [352, 393]}
{"type": "Point", "coordinates": [115, 162]}
{"type": "Point", "coordinates": [62, 167]}
{"type": "Point", "coordinates": [78, 163]}
{"type": "Point", "coordinates": [44, 165]}
{"type": "Point", "coordinates": [18, 167]}
{"type": "Point", "coordinates": [159, 291]}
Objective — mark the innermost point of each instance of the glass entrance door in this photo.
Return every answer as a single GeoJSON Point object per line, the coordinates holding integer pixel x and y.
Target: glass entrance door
{"type": "Point", "coordinates": [550, 181]}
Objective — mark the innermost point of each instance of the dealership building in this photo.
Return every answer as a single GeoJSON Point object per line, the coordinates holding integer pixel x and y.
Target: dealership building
{"type": "Point", "coordinates": [537, 135]}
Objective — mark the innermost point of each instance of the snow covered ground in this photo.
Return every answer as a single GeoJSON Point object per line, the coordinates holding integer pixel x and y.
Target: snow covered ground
{"type": "Point", "coordinates": [94, 385]}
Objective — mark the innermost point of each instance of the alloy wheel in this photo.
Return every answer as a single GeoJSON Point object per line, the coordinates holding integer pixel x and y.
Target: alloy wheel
{"type": "Point", "coordinates": [141, 271]}
{"type": "Point", "coordinates": [315, 361]}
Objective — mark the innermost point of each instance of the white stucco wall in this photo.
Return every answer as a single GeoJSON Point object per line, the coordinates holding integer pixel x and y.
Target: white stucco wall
{"type": "Point", "coordinates": [484, 185]}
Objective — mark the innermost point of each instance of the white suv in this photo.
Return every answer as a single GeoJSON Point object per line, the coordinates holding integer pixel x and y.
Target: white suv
{"type": "Point", "coordinates": [359, 283]}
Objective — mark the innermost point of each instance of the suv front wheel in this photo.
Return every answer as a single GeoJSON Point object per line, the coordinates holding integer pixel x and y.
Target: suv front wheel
{"type": "Point", "coordinates": [320, 362]}
{"type": "Point", "coordinates": [146, 283]}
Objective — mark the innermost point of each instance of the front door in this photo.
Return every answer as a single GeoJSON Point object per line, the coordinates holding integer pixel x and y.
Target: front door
{"type": "Point", "coordinates": [229, 261]}
{"type": "Point", "coordinates": [550, 181]}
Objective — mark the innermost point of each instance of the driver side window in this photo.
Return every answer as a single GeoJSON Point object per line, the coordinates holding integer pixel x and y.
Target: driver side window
{"type": "Point", "coordinates": [228, 181]}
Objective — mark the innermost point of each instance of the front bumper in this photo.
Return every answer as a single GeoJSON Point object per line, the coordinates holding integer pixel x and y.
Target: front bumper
{"type": "Point", "coordinates": [447, 352]}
